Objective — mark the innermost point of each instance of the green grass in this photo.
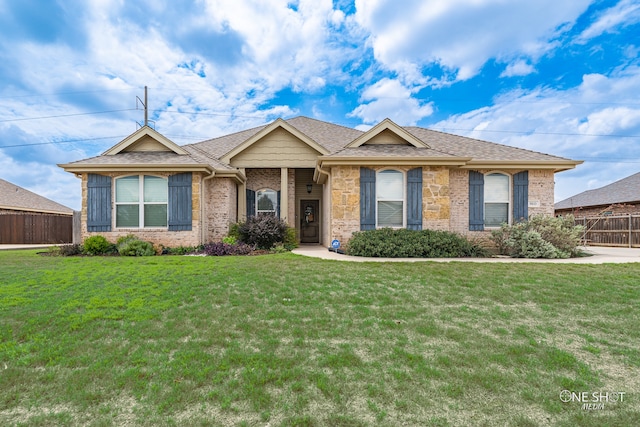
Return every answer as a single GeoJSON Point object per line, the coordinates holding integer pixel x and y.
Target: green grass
{"type": "Point", "coordinates": [284, 340]}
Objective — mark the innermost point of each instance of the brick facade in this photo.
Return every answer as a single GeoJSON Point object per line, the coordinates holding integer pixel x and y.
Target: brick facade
{"type": "Point", "coordinates": [220, 206]}
{"type": "Point", "coordinates": [158, 236]}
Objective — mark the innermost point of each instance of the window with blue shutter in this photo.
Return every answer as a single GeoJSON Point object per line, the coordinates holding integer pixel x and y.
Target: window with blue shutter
{"type": "Point", "coordinates": [98, 202]}
{"type": "Point", "coordinates": [476, 201]}
{"type": "Point", "coordinates": [180, 202]}
{"type": "Point", "coordinates": [521, 196]}
{"type": "Point", "coordinates": [367, 199]}
{"type": "Point", "coordinates": [414, 199]}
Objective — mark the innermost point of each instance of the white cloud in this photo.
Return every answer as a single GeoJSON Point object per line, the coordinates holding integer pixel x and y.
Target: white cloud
{"type": "Point", "coordinates": [626, 12]}
{"type": "Point", "coordinates": [462, 35]}
{"type": "Point", "coordinates": [518, 68]}
{"type": "Point", "coordinates": [582, 123]}
{"type": "Point", "coordinates": [389, 99]}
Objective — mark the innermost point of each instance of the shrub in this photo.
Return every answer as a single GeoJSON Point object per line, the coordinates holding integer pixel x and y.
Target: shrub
{"type": "Point", "coordinates": [131, 245]}
{"type": "Point", "coordinates": [290, 239]}
{"type": "Point", "coordinates": [403, 243]}
{"type": "Point", "coordinates": [180, 250]}
{"type": "Point", "coordinates": [221, 249]}
{"type": "Point", "coordinates": [263, 231]}
{"type": "Point", "coordinates": [230, 240]}
{"type": "Point", "coordinates": [70, 250]}
{"type": "Point", "coordinates": [98, 245]}
{"type": "Point", "coordinates": [539, 237]}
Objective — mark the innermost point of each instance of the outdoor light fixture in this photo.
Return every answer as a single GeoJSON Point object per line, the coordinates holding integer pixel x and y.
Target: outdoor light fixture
{"type": "Point", "coordinates": [309, 188]}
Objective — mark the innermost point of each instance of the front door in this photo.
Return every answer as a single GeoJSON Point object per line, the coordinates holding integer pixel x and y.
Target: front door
{"type": "Point", "coordinates": [309, 221]}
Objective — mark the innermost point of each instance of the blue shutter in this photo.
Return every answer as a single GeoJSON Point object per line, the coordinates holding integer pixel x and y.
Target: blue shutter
{"type": "Point", "coordinates": [521, 196]}
{"type": "Point", "coordinates": [367, 199]}
{"type": "Point", "coordinates": [278, 205]}
{"type": "Point", "coordinates": [476, 201]}
{"type": "Point", "coordinates": [180, 205]}
{"type": "Point", "coordinates": [414, 199]}
{"type": "Point", "coordinates": [98, 203]}
{"type": "Point", "coordinates": [251, 203]}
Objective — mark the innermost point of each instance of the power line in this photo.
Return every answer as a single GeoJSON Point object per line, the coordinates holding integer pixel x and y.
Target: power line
{"type": "Point", "coordinates": [536, 133]}
{"type": "Point", "coordinates": [66, 115]}
{"type": "Point", "coordinates": [63, 141]}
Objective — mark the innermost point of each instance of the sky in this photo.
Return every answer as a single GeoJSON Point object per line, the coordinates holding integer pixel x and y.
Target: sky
{"type": "Point", "coordinates": [558, 77]}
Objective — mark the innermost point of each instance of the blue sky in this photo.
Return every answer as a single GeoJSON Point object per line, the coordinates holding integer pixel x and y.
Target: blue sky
{"type": "Point", "coordinates": [560, 77]}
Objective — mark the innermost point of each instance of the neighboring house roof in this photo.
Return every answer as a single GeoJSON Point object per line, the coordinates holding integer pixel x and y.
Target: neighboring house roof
{"type": "Point", "coordinates": [17, 198]}
{"type": "Point", "coordinates": [147, 150]}
{"type": "Point", "coordinates": [626, 190]}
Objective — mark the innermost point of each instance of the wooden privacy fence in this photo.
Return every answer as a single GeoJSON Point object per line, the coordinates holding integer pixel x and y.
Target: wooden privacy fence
{"type": "Point", "coordinates": [35, 229]}
{"type": "Point", "coordinates": [613, 230]}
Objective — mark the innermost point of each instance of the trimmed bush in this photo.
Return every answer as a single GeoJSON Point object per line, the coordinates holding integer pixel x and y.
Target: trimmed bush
{"type": "Point", "coordinates": [539, 237]}
{"type": "Point", "coordinates": [221, 249]}
{"type": "Point", "coordinates": [98, 245]}
{"type": "Point", "coordinates": [263, 231]}
{"type": "Point", "coordinates": [403, 243]}
{"type": "Point", "coordinates": [131, 245]}
{"type": "Point", "coordinates": [70, 250]}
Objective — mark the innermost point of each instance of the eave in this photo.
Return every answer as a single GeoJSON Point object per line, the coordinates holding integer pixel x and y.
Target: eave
{"type": "Point", "coordinates": [139, 167]}
{"type": "Point", "coordinates": [395, 161]}
{"type": "Point", "coordinates": [555, 165]}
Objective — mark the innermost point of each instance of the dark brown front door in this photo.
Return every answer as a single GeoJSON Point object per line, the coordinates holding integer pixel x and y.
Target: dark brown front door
{"type": "Point", "coordinates": [309, 221]}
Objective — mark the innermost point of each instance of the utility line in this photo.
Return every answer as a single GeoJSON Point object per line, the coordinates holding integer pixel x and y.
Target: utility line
{"type": "Point", "coordinates": [66, 115]}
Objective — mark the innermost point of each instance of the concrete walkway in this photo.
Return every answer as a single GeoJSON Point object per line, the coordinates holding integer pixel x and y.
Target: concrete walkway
{"type": "Point", "coordinates": [599, 255]}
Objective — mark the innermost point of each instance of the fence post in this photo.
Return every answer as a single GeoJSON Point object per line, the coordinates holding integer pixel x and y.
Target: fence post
{"type": "Point", "coordinates": [630, 229]}
{"type": "Point", "coordinates": [76, 228]}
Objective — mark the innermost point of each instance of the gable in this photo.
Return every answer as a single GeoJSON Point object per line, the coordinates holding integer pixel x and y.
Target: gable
{"type": "Point", "coordinates": [278, 148]}
{"type": "Point", "coordinates": [386, 137]}
{"type": "Point", "coordinates": [388, 133]}
{"type": "Point", "coordinates": [145, 139]}
{"type": "Point", "coordinates": [146, 143]}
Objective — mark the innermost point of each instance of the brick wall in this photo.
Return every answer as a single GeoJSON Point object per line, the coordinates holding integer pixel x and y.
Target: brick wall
{"type": "Point", "coordinates": [541, 196]}
{"type": "Point", "coordinates": [158, 237]}
{"type": "Point", "coordinates": [220, 207]}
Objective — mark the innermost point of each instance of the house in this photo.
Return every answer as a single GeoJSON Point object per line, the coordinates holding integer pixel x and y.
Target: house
{"type": "Point", "coordinates": [620, 197]}
{"type": "Point", "coordinates": [326, 180]}
{"type": "Point", "coordinates": [28, 218]}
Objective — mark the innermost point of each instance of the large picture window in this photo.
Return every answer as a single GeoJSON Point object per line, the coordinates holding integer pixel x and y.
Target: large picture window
{"type": "Point", "coordinates": [141, 201]}
{"type": "Point", "coordinates": [390, 199]}
{"type": "Point", "coordinates": [266, 202]}
{"type": "Point", "coordinates": [496, 199]}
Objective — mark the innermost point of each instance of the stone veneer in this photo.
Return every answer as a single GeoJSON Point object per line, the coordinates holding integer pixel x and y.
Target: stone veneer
{"type": "Point", "coordinates": [345, 199]}
{"type": "Point", "coordinates": [156, 236]}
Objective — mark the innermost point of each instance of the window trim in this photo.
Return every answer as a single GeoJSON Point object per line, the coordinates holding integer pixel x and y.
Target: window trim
{"type": "Point", "coordinates": [509, 200]}
{"type": "Point", "coordinates": [275, 206]}
{"type": "Point", "coordinates": [403, 199]}
{"type": "Point", "coordinates": [140, 203]}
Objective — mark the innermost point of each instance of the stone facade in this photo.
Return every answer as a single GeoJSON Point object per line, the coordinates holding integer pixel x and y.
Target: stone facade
{"type": "Point", "coordinates": [345, 199]}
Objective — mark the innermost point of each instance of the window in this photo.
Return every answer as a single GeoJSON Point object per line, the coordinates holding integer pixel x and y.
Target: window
{"type": "Point", "coordinates": [390, 199]}
{"type": "Point", "coordinates": [141, 201]}
{"type": "Point", "coordinates": [496, 199]}
{"type": "Point", "coordinates": [266, 202]}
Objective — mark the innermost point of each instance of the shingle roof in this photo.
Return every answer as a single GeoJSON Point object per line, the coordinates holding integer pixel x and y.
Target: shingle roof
{"type": "Point", "coordinates": [626, 190]}
{"type": "Point", "coordinates": [334, 138]}
{"type": "Point", "coordinates": [477, 149]}
{"type": "Point", "coordinates": [17, 198]}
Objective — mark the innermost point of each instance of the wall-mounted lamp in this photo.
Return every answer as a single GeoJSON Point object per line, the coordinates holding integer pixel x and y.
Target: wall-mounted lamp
{"type": "Point", "coordinates": [309, 188]}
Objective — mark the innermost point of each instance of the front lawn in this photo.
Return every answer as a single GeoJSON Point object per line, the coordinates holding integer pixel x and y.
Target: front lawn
{"type": "Point", "coordinates": [284, 340]}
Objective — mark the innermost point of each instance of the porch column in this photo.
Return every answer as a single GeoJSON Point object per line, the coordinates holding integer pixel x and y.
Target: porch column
{"type": "Point", "coordinates": [284, 193]}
